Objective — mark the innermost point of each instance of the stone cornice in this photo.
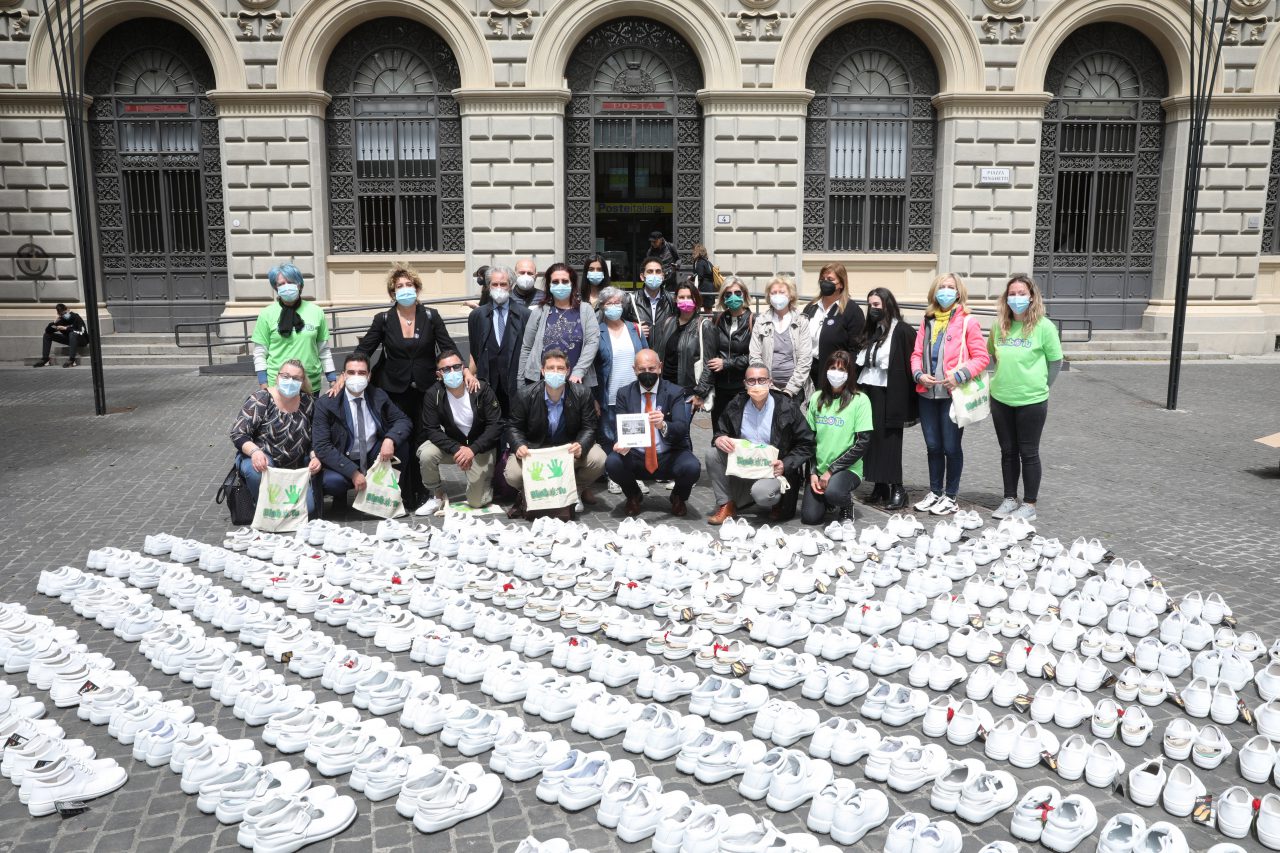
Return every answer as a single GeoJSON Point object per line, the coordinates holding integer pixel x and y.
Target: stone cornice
{"type": "Point", "coordinates": [993, 105]}
{"type": "Point", "coordinates": [776, 102]}
{"type": "Point", "coordinates": [511, 101]}
{"type": "Point", "coordinates": [24, 103]}
{"type": "Point", "coordinates": [257, 103]}
{"type": "Point", "coordinates": [1241, 106]}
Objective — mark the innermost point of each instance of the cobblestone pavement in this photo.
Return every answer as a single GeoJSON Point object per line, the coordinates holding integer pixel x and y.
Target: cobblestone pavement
{"type": "Point", "coordinates": [1189, 493]}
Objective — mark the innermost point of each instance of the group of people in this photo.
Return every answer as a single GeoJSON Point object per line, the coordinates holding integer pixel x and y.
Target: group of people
{"type": "Point", "coordinates": [826, 388]}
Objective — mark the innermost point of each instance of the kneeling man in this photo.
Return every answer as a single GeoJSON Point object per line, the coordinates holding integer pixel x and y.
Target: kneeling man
{"type": "Point", "coordinates": [463, 428]}
{"type": "Point", "coordinates": [669, 454]}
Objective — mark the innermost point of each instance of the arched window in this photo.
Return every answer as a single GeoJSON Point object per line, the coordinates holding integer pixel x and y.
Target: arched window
{"type": "Point", "coordinates": [869, 164]}
{"type": "Point", "coordinates": [394, 141]}
{"type": "Point", "coordinates": [1100, 152]}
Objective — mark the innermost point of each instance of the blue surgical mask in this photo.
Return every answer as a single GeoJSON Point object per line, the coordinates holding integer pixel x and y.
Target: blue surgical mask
{"type": "Point", "coordinates": [406, 296]}
{"type": "Point", "coordinates": [653, 282]}
{"type": "Point", "coordinates": [554, 380]}
{"type": "Point", "coordinates": [288, 387]}
{"type": "Point", "coordinates": [613, 312]}
{"type": "Point", "coordinates": [453, 379]}
{"type": "Point", "coordinates": [945, 297]}
{"type": "Point", "coordinates": [595, 276]}
{"type": "Point", "coordinates": [561, 290]}
{"type": "Point", "coordinates": [1019, 303]}
{"type": "Point", "coordinates": [67, 315]}
{"type": "Point", "coordinates": [288, 292]}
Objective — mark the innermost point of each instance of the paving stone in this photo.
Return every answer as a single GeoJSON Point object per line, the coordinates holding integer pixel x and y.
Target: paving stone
{"type": "Point", "coordinates": [1189, 493]}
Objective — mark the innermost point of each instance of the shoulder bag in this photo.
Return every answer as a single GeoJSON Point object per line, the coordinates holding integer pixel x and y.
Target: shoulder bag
{"type": "Point", "coordinates": [970, 402]}
{"type": "Point", "coordinates": [234, 491]}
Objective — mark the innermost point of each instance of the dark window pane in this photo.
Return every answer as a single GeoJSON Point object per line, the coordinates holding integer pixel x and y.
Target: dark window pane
{"type": "Point", "coordinates": [143, 212]}
{"type": "Point", "coordinates": [846, 223]}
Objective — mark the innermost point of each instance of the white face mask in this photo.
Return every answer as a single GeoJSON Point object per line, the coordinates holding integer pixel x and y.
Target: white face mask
{"type": "Point", "coordinates": [837, 378]}
{"type": "Point", "coordinates": [357, 384]}
{"type": "Point", "coordinates": [779, 301]}
{"type": "Point", "coordinates": [524, 281]}
{"type": "Point", "coordinates": [499, 295]}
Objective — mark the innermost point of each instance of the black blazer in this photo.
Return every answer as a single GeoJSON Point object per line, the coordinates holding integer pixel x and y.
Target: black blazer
{"type": "Point", "coordinates": [676, 410]}
{"type": "Point", "coordinates": [482, 345]}
{"type": "Point", "coordinates": [74, 325]}
{"type": "Point", "coordinates": [527, 423]}
{"type": "Point", "coordinates": [840, 332]}
{"type": "Point", "coordinates": [901, 402]}
{"type": "Point", "coordinates": [637, 309]}
{"type": "Point", "coordinates": [406, 361]}
{"type": "Point", "coordinates": [332, 429]}
{"type": "Point", "coordinates": [439, 428]}
{"type": "Point", "coordinates": [791, 433]}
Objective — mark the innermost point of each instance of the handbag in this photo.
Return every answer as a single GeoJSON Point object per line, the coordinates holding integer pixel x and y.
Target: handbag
{"type": "Point", "coordinates": [698, 366]}
{"type": "Point", "coordinates": [970, 402]}
{"type": "Point", "coordinates": [381, 495]}
{"type": "Point", "coordinates": [282, 505]}
{"type": "Point", "coordinates": [234, 491]}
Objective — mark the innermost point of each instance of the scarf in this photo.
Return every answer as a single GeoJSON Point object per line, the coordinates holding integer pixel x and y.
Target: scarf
{"type": "Point", "coordinates": [941, 319]}
{"type": "Point", "coordinates": [290, 322]}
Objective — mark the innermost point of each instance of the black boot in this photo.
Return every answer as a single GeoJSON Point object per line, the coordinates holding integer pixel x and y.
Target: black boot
{"type": "Point", "coordinates": [845, 514]}
{"type": "Point", "coordinates": [897, 498]}
{"type": "Point", "coordinates": [879, 494]}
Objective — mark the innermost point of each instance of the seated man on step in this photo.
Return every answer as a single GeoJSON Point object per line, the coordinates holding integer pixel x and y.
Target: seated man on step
{"type": "Point", "coordinates": [463, 428]}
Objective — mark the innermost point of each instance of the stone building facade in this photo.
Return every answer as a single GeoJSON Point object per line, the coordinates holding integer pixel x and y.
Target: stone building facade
{"type": "Point", "coordinates": [904, 139]}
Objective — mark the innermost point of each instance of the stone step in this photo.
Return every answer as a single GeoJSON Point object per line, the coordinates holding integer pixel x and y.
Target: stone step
{"type": "Point", "coordinates": [1079, 356]}
{"type": "Point", "coordinates": [1080, 335]}
{"type": "Point", "coordinates": [1125, 345]}
{"type": "Point", "coordinates": [186, 359]}
{"type": "Point", "coordinates": [113, 348]}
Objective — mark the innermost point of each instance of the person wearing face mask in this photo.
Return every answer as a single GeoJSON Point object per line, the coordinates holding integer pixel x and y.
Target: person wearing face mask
{"type": "Point", "coordinates": [682, 341]}
{"type": "Point", "coordinates": [661, 250]}
{"type": "Point", "coordinates": [730, 349]}
{"type": "Point", "coordinates": [551, 413]}
{"type": "Point", "coordinates": [495, 334]}
{"type": "Point", "coordinates": [652, 304]}
{"type": "Point", "coordinates": [525, 287]}
{"type": "Point", "coordinates": [763, 415]}
{"type": "Point", "coordinates": [835, 320]}
{"type": "Point", "coordinates": [949, 351]}
{"type": "Point", "coordinates": [840, 417]}
{"type": "Point", "coordinates": [704, 275]}
{"type": "Point", "coordinates": [353, 430]}
{"type": "Point", "coordinates": [67, 328]}
{"type": "Point", "coordinates": [781, 339]}
{"type": "Point", "coordinates": [669, 455]}
{"type": "Point", "coordinates": [884, 375]}
{"type": "Point", "coordinates": [273, 429]}
{"type": "Point", "coordinates": [565, 323]}
{"type": "Point", "coordinates": [462, 428]}
{"type": "Point", "coordinates": [619, 342]}
{"type": "Point", "coordinates": [291, 327]}
{"type": "Point", "coordinates": [595, 278]}
{"type": "Point", "coordinates": [410, 336]}
{"type": "Point", "coordinates": [1028, 356]}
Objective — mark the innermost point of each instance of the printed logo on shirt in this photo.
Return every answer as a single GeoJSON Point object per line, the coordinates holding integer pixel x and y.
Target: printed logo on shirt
{"type": "Point", "coordinates": [830, 420]}
{"type": "Point", "coordinates": [1025, 343]}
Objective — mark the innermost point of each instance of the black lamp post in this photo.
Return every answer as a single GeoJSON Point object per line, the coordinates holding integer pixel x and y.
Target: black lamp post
{"type": "Point", "coordinates": [64, 23]}
{"type": "Point", "coordinates": [1208, 30]}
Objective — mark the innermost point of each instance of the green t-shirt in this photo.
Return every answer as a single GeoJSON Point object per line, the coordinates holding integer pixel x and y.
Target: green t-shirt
{"type": "Point", "coordinates": [1022, 363]}
{"type": "Point", "coordinates": [303, 345]}
{"type": "Point", "coordinates": [835, 429]}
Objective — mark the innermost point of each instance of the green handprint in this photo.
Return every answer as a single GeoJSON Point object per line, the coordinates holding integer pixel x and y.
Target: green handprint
{"type": "Point", "coordinates": [294, 494]}
{"type": "Point", "coordinates": [535, 471]}
{"type": "Point", "coordinates": [273, 494]}
{"type": "Point", "coordinates": [386, 477]}
{"type": "Point", "coordinates": [557, 468]}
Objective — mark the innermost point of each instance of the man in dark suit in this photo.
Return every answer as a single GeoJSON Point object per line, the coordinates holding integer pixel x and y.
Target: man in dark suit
{"type": "Point", "coordinates": [550, 413]}
{"type": "Point", "coordinates": [462, 427]}
{"type": "Point", "coordinates": [351, 431]}
{"type": "Point", "coordinates": [650, 305]}
{"type": "Point", "coordinates": [495, 331]}
{"type": "Point", "coordinates": [670, 452]}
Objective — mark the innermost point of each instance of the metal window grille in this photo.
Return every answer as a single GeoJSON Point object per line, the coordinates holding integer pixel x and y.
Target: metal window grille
{"type": "Point", "coordinates": [394, 142]}
{"type": "Point", "coordinates": [870, 149]}
{"type": "Point", "coordinates": [1271, 214]}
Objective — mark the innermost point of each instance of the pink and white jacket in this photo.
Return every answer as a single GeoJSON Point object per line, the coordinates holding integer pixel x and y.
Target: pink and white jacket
{"type": "Point", "coordinates": [962, 333]}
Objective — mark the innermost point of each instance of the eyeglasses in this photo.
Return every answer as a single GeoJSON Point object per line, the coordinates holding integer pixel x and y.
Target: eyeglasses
{"type": "Point", "coordinates": [451, 368]}
{"type": "Point", "coordinates": [729, 293]}
{"type": "Point", "coordinates": [759, 380]}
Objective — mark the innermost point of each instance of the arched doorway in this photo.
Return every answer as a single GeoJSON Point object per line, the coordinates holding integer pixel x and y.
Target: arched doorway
{"type": "Point", "coordinates": [157, 177]}
{"type": "Point", "coordinates": [870, 142]}
{"type": "Point", "coordinates": [1100, 154]}
{"type": "Point", "coordinates": [633, 131]}
{"type": "Point", "coordinates": [394, 142]}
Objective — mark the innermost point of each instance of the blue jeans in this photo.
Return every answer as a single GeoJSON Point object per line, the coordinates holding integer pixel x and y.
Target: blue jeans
{"type": "Point", "coordinates": [254, 481]}
{"type": "Point", "coordinates": [942, 438]}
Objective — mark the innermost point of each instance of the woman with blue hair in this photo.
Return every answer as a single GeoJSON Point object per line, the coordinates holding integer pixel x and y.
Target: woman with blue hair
{"type": "Point", "coordinates": [291, 328]}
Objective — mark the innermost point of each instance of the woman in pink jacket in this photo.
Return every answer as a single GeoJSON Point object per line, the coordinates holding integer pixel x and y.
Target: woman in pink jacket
{"type": "Point", "coordinates": [949, 351]}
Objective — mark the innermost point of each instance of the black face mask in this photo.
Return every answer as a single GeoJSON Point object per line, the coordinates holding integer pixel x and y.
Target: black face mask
{"type": "Point", "coordinates": [647, 380]}
{"type": "Point", "coordinates": [826, 288]}
{"type": "Point", "coordinates": [875, 315]}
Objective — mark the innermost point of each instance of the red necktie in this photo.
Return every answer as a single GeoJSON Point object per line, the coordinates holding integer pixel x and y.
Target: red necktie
{"type": "Point", "coordinates": [650, 452]}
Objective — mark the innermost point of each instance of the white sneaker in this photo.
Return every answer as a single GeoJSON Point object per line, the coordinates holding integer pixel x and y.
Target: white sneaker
{"type": "Point", "coordinates": [927, 503]}
{"type": "Point", "coordinates": [1007, 506]}
{"type": "Point", "coordinates": [1071, 822]}
{"type": "Point", "coordinates": [429, 508]}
